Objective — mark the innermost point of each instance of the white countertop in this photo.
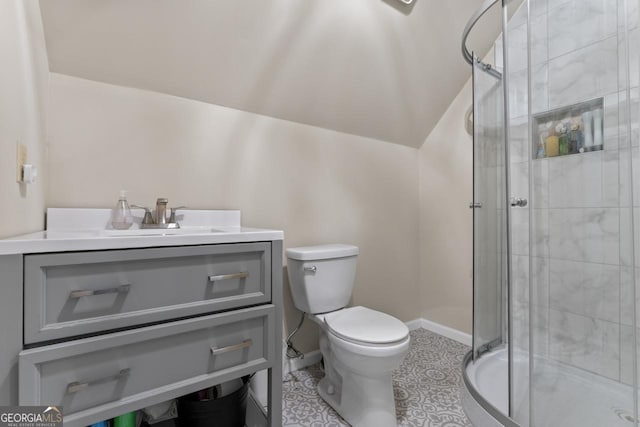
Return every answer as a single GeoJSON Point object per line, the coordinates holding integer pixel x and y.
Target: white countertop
{"type": "Point", "coordinates": [87, 229]}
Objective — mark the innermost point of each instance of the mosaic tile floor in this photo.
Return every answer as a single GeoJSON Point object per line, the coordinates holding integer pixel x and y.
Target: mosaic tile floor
{"type": "Point", "coordinates": [425, 387]}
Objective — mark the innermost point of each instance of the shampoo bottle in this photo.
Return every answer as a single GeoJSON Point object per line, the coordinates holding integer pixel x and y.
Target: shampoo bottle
{"type": "Point", "coordinates": [597, 129]}
{"type": "Point", "coordinates": [121, 218]}
{"type": "Point", "coordinates": [540, 152]}
{"type": "Point", "coordinates": [552, 146]}
{"type": "Point", "coordinates": [588, 130]}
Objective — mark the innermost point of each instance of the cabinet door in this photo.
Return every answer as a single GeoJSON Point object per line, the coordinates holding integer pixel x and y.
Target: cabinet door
{"type": "Point", "coordinates": [71, 294]}
{"type": "Point", "coordinates": [101, 377]}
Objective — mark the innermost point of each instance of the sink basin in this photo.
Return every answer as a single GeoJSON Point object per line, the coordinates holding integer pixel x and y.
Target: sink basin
{"type": "Point", "coordinates": [159, 231]}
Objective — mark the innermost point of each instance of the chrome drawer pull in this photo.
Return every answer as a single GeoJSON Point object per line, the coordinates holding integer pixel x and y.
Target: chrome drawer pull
{"type": "Point", "coordinates": [311, 269]}
{"type": "Point", "coordinates": [75, 387]}
{"type": "Point", "coordinates": [87, 293]}
{"type": "Point", "coordinates": [243, 344]}
{"type": "Point", "coordinates": [229, 276]}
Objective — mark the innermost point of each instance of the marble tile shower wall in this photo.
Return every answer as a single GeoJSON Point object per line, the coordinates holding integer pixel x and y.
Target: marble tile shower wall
{"type": "Point", "coordinates": [581, 225]}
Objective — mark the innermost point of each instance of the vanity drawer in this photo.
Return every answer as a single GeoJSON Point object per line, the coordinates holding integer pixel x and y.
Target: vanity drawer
{"type": "Point", "coordinates": [101, 377]}
{"type": "Point", "coordinates": [71, 294]}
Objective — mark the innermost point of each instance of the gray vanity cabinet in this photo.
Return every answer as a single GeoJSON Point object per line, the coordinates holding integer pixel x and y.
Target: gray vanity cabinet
{"type": "Point", "coordinates": [108, 332]}
{"type": "Point", "coordinates": [119, 372]}
{"type": "Point", "coordinates": [70, 294]}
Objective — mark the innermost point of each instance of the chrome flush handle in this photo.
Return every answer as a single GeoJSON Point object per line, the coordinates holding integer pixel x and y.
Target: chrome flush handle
{"type": "Point", "coordinates": [311, 268]}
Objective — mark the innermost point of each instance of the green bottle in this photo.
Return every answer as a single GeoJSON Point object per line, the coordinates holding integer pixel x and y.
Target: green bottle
{"type": "Point", "coordinates": [563, 144]}
{"type": "Point", "coordinates": [125, 420]}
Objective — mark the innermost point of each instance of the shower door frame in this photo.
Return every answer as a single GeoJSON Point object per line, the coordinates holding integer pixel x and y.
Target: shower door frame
{"type": "Point", "coordinates": [505, 337]}
{"type": "Point", "coordinates": [502, 332]}
{"type": "Point", "coordinates": [503, 283]}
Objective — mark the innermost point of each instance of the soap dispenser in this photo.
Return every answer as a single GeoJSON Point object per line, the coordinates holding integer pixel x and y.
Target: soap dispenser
{"type": "Point", "coordinates": [121, 218]}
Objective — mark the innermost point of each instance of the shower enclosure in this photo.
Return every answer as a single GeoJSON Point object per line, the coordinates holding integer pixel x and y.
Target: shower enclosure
{"type": "Point", "coordinates": [556, 211]}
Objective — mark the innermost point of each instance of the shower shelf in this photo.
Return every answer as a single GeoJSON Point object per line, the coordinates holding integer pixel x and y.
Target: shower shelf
{"type": "Point", "coordinates": [573, 129]}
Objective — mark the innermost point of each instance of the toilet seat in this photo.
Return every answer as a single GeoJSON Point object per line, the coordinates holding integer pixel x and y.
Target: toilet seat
{"type": "Point", "coordinates": [361, 325]}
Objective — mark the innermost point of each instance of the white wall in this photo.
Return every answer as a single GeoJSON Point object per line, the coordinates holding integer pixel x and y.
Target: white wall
{"type": "Point", "coordinates": [23, 93]}
{"type": "Point", "coordinates": [446, 222]}
{"type": "Point", "coordinates": [317, 185]}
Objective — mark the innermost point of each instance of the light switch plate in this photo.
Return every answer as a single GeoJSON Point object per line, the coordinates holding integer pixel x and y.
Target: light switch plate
{"type": "Point", "coordinates": [21, 159]}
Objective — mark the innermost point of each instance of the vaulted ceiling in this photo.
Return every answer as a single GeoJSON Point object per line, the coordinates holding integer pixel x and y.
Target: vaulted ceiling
{"type": "Point", "coordinates": [374, 68]}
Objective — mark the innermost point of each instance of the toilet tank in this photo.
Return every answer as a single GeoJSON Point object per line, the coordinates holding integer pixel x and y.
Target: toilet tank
{"type": "Point", "coordinates": [321, 278]}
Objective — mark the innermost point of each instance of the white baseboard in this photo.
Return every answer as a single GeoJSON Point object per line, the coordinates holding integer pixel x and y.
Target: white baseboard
{"type": "Point", "coordinates": [414, 324]}
{"type": "Point", "coordinates": [290, 365]}
{"type": "Point", "coordinates": [445, 331]}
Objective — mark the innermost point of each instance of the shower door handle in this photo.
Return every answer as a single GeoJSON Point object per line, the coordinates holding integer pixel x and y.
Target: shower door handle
{"type": "Point", "coordinates": [474, 205]}
{"type": "Point", "coordinates": [518, 202]}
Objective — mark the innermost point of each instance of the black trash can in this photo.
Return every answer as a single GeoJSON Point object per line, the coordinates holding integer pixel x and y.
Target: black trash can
{"type": "Point", "coordinates": [226, 411]}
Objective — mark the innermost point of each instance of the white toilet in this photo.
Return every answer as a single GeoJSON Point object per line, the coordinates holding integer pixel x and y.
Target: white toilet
{"type": "Point", "coordinates": [360, 346]}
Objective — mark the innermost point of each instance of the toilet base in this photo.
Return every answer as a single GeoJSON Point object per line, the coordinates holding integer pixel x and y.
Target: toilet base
{"type": "Point", "coordinates": [361, 400]}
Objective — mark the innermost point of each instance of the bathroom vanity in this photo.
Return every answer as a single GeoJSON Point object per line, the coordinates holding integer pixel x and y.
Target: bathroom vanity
{"type": "Point", "coordinates": [103, 322]}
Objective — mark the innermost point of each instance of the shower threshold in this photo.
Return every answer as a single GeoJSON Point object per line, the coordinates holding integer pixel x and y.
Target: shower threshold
{"type": "Point", "coordinates": [563, 395]}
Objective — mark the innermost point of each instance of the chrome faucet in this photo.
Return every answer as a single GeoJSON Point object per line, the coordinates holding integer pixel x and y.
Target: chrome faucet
{"type": "Point", "coordinates": [160, 220]}
{"type": "Point", "coordinates": [161, 211]}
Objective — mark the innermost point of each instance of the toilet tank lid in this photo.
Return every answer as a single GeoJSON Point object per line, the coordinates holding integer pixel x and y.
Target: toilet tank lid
{"type": "Point", "coordinates": [307, 253]}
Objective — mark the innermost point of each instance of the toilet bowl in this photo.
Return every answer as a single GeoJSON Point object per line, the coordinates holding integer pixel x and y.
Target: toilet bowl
{"type": "Point", "coordinates": [359, 365]}
{"type": "Point", "coordinates": [360, 346]}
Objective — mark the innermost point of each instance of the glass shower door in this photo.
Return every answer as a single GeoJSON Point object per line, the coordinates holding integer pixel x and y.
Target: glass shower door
{"type": "Point", "coordinates": [489, 250]}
